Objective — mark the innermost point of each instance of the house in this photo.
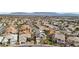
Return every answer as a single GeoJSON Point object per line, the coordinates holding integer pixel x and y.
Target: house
{"type": "Point", "coordinates": [22, 38]}
{"type": "Point", "coordinates": [1, 38]}
{"type": "Point", "coordinates": [10, 34]}
{"type": "Point", "coordinates": [10, 29]}
{"type": "Point", "coordinates": [42, 35]}
{"type": "Point", "coordinates": [11, 37]}
{"type": "Point", "coordinates": [25, 29]}
{"type": "Point", "coordinates": [2, 27]}
{"type": "Point", "coordinates": [59, 36]}
{"type": "Point", "coordinates": [74, 40]}
{"type": "Point", "coordinates": [24, 33]}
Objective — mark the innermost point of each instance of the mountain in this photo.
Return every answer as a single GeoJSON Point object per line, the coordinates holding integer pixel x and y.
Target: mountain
{"type": "Point", "coordinates": [41, 14]}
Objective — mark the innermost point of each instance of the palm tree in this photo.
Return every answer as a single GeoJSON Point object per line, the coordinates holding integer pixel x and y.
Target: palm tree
{"type": "Point", "coordinates": [18, 34]}
{"type": "Point", "coordinates": [18, 27]}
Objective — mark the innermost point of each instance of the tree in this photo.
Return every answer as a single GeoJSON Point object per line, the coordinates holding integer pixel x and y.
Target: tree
{"type": "Point", "coordinates": [18, 27]}
{"type": "Point", "coordinates": [35, 40]}
{"type": "Point", "coordinates": [77, 29]}
{"type": "Point", "coordinates": [8, 41]}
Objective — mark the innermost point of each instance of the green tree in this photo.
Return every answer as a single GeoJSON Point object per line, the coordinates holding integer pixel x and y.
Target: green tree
{"type": "Point", "coordinates": [77, 29]}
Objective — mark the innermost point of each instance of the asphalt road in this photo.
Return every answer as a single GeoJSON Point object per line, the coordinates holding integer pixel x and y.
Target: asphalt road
{"type": "Point", "coordinates": [33, 46]}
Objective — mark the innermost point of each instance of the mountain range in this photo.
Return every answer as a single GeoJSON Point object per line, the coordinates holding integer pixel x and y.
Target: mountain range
{"type": "Point", "coordinates": [40, 14]}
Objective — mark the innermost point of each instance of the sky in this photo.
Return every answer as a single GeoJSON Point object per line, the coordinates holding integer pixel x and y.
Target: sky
{"type": "Point", "coordinates": [60, 6]}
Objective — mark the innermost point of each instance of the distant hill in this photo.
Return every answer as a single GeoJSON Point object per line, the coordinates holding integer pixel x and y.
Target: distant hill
{"type": "Point", "coordinates": [41, 14]}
